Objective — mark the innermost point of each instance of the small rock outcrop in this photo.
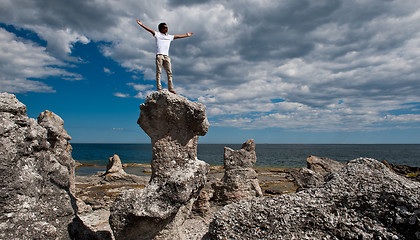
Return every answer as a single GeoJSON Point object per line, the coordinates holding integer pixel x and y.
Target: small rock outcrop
{"type": "Point", "coordinates": [410, 172]}
{"type": "Point", "coordinates": [317, 171]}
{"type": "Point", "coordinates": [240, 180]}
{"type": "Point", "coordinates": [159, 210]}
{"type": "Point", "coordinates": [36, 175]}
{"type": "Point", "coordinates": [322, 165]}
{"type": "Point", "coordinates": [363, 200]}
{"type": "Point", "coordinates": [114, 165]}
{"type": "Point", "coordinates": [115, 173]}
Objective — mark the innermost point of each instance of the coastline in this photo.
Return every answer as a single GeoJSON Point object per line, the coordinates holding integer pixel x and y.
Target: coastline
{"type": "Point", "coordinates": [273, 180]}
{"type": "Point", "coordinates": [98, 193]}
{"type": "Point", "coordinates": [268, 155]}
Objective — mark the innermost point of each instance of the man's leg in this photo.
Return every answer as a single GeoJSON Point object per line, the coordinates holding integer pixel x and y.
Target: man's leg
{"type": "Point", "coordinates": [168, 68]}
{"type": "Point", "coordinates": [159, 61]}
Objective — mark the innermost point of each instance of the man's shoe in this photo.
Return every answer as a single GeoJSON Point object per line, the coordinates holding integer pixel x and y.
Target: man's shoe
{"type": "Point", "coordinates": [172, 91]}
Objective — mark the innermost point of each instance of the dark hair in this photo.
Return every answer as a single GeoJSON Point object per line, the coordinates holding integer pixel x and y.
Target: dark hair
{"type": "Point", "coordinates": [161, 26]}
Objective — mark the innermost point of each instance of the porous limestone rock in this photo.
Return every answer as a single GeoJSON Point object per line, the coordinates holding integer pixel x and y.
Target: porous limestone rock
{"type": "Point", "coordinates": [363, 200]}
{"type": "Point", "coordinates": [202, 204]}
{"type": "Point", "coordinates": [173, 123]}
{"type": "Point", "coordinates": [240, 180]}
{"type": "Point", "coordinates": [316, 173]}
{"type": "Point", "coordinates": [323, 165]}
{"type": "Point", "coordinates": [159, 210]}
{"type": "Point", "coordinates": [36, 175]}
{"type": "Point", "coordinates": [114, 165]}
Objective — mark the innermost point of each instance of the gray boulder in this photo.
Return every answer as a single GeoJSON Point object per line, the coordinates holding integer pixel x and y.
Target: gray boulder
{"type": "Point", "coordinates": [363, 200]}
{"type": "Point", "coordinates": [240, 179]}
{"type": "Point", "coordinates": [159, 210]}
{"type": "Point", "coordinates": [114, 166]}
{"type": "Point", "coordinates": [318, 171]}
{"type": "Point", "coordinates": [322, 165]}
{"type": "Point", "coordinates": [36, 175]}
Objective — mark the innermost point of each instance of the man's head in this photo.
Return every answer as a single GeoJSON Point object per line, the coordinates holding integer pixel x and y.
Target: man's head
{"type": "Point", "coordinates": [163, 28]}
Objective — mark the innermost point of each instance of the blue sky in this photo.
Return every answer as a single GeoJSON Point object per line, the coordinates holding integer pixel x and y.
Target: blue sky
{"type": "Point", "coordinates": [276, 71]}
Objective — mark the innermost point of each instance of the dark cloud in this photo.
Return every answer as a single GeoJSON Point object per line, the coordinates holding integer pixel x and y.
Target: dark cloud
{"type": "Point", "coordinates": [180, 3]}
{"type": "Point", "coordinates": [80, 15]}
{"type": "Point", "coordinates": [333, 58]}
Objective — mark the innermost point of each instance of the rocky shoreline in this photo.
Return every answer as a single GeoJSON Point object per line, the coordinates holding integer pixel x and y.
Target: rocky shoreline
{"type": "Point", "coordinates": [180, 197]}
{"type": "Point", "coordinates": [98, 194]}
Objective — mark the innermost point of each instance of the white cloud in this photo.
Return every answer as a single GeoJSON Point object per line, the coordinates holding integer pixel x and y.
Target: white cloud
{"type": "Point", "coordinates": [311, 54]}
{"type": "Point", "coordinates": [108, 71]}
{"type": "Point", "coordinates": [140, 87]}
{"type": "Point", "coordinates": [121, 95]}
{"type": "Point", "coordinates": [20, 85]}
{"type": "Point", "coordinates": [61, 41]}
{"type": "Point", "coordinates": [22, 61]}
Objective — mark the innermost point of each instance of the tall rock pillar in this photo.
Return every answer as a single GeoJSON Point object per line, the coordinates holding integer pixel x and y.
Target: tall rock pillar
{"type": "Point", "coordinates": [240, 180]}
{"type": "Point", "coordinates": [36, 175]}
{"type": "Point", "coordinates": [159, 210]}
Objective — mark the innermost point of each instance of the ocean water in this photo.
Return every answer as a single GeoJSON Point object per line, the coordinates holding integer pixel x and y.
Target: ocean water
{"type": "Point", "coordinates": [268, 155]}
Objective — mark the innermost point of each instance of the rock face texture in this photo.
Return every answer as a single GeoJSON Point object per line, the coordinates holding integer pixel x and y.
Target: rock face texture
{"type": "Point", "coordinates": [363, 200]}
{"type": "Point", "coordinates": [173, 123]}
{"type": "Point", "coordinates": [36, 174]}
{"type": "Point", "coordinates": [317, 172]}
{"type": "Point", "coordinates": [240, 180]}
{"type": "Point", "coordinates": [159, 210]}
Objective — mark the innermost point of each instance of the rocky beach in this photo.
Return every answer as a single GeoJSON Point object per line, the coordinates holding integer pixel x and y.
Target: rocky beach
{"type": "Point", "coordinates": [180, 197]}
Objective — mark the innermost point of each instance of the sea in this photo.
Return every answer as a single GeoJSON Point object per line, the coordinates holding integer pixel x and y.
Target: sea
{"type": "Point", "coordinates": [268, 155]}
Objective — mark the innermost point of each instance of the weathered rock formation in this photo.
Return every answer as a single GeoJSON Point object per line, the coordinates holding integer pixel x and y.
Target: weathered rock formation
{"type": "Point", "coordinates": [240, 179]}
{"type": "Point", "coordinates": [115, 172]}
{"type": "Point", "coordinates": [114, 165]}
{"type": "Point", "coordinates": [159, 210]}
{"type": "Point", "coordinates": [363, 200]}
{"type": "Point", "coordinates": [317, 172]}
{"type": "Point", "coordinates": [322, 165]}
{"type": "Point", "coordinates": [36, 175]}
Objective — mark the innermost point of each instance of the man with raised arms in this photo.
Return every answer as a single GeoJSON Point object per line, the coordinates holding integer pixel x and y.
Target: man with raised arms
{"type": "Point", "coordinates": [163, 42]}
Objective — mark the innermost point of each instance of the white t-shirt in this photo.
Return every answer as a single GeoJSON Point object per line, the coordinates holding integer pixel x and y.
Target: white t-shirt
{"type": "Point", "coordinates": [163, 42]}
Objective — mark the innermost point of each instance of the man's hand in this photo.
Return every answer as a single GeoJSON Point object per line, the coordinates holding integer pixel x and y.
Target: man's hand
{"type": "Point", "coordinates": [183, 36]}
{"type": "Point", "coordinates": [148, 29]}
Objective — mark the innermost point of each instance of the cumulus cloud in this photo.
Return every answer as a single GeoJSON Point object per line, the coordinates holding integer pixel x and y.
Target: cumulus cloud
{"type": "Point", "coordinates": [22, 62]}
{"type": "Point", "coordinates": [331, 63]}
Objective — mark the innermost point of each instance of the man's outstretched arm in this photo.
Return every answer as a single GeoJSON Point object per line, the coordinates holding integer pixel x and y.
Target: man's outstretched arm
{"type": "Point", "coordinates": [183, 36]}
{"type": "Point", "coordinates": [148, 29]}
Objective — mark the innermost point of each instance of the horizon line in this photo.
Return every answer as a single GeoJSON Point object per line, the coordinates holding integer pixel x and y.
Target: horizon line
{"type": "Point", "coordinates": [261, 143]}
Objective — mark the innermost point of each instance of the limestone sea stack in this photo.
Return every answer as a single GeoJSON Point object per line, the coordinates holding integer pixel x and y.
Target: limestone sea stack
{"type": "Point", "coordinates": [36, 176]}
{"type": "Point", "coordinates": [114, 165]}
{"type": "Point", "coordinates": [159, 210]}
{"type": "Point", "coordinates": [240, 179]}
